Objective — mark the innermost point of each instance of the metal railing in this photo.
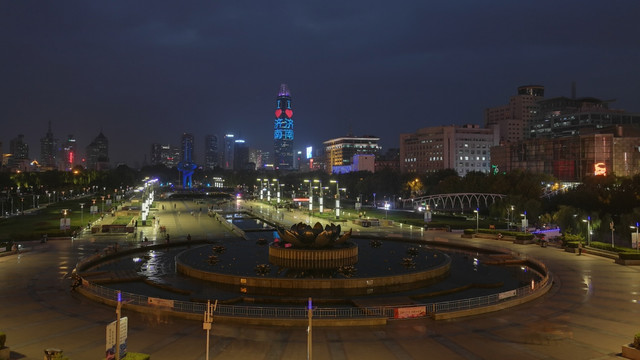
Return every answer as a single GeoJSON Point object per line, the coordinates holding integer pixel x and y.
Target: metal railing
{"type": "Point", "coordinates": [279, 312]}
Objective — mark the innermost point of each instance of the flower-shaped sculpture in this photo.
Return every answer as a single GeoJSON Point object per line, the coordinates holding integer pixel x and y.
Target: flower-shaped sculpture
{"type": "Point", "coordinates": [302, 235]}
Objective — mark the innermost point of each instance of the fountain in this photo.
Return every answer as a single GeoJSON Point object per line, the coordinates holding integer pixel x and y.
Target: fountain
{"type": "Point", "coordinates": [306, 247]}
{"type": "Point", "coordinates": [316, 260]}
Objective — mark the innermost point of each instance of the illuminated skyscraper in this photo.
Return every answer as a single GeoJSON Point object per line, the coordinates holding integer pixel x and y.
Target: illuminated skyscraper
{"type": "Point", "coordinates": [69, 153]}
{"type": "Point", "coordinates": [283, 131]}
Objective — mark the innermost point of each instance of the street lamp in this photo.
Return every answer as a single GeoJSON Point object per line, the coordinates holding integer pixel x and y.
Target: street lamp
{"type": "Point", "coordinates": [81, 214]}
{"type": "Point", "coordinates": [321, 196]}
{"type": "Point", "coordinates": [511, 217]}
{"type": "Point", "coordinates": [588, 221]}
{"type": "Point", "coordinates": [337, 198]}
{"type": "Point", "coordinates": [310, 195]}
{"type": "Point", "coordinates": [260, 186]}
{"type": "Point", "coordinates": [477, 211]}
{"type": "Point", "coordinates": [102, 203]}
{"type": "Point", "coordinates": [277, 190]}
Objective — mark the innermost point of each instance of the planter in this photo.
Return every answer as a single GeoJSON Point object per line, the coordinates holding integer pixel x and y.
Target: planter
{"type": "Point", "coordinates": [629, 352]}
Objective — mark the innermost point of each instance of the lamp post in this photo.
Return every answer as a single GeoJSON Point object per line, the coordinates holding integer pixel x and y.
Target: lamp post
{"type": "Point", "coordinates": [511, 217]}
{"type": "Point", "coordinates": [320, 197]}
{"type": "Point", "coordinates": [81, 214]}
{"type": "Point", "coordinates": [337, 198]}
{"type": "Point", "coordinates": [102, 204]}
{"type": "Point", "coordinates": [477, 211]}
{"type": "Point", "coordinates": [260, 187]}
{"type": "Point", "coordinates": [588, 221]}
{"type": "Point", "coordinates": [268, 190]}
{"type": "Point", "coordinates": [612, 230]}
{"type": "Point", "coordinates": [277, 190]}
{"type": "Point", "coordinates": [310, 195]}
{"type": "Point", "coordinates": [22, 206]}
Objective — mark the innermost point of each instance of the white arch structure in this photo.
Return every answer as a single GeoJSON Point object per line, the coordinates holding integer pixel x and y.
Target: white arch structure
{"type": "Point", "coordinates": [457, 201]}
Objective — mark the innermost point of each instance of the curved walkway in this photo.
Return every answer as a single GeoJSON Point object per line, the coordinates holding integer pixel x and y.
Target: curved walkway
{"type": "Point", "coordinates": [593, 308]}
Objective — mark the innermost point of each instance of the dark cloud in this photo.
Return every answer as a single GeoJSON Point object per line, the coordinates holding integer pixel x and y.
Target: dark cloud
{"type": "Point", "coordinates": [145, 72]}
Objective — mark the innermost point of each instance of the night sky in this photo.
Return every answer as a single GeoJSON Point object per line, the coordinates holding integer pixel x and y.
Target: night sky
{"type": "Point", "coordinates": [147, 71]}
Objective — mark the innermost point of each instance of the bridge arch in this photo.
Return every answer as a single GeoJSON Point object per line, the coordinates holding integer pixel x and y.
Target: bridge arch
{"type": "Point", "coordinates": [454, 201]}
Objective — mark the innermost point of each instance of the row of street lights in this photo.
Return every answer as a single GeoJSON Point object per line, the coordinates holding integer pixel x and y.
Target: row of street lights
{"type": "Point", "coordinates": [265, 184]}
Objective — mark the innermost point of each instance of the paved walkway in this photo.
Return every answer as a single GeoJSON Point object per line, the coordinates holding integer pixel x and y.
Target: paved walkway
{"type": "Point", "coordinates": [593, 308]}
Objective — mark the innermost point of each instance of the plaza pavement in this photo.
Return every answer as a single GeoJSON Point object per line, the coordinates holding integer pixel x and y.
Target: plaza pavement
{"type": "Point", "coordinates": [592, 309]}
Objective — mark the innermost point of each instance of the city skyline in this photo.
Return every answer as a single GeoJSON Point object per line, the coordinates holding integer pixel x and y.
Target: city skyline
{"type": "Point", "coordinates": [146, 73]}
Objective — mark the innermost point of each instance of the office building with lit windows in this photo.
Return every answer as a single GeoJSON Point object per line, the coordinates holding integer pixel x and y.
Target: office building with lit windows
{"type": "Point", "coordinates": [340, 151]}
{"type": "Point", "coordinates": [462, 148]}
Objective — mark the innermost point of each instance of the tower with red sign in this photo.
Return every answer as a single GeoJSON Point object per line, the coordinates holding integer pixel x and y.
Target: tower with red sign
{"type": "Point", "coordinates": [283, 131]}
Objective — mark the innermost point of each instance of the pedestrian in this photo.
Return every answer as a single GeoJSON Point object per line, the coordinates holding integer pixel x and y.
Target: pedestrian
{"type": "Point", "coordinates": [580, 249]}
{"type": "Point", "coordinates": [188, 237]}
{"type": "Point", "coordinates": [167, 238]}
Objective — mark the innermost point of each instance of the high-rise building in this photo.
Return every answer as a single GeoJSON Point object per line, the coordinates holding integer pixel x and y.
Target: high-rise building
{"type": "Point", "coordinates": [211, 159]}
{"type": "Point", "coordinates": [340, 151]}
{"type": "Point", "coordinates": [462, 148]}
{"type": "Point", "coordinates": [241, 156]}
{"type": "Point", "coordinates": [512, 119]}
{"type": "Point", "coordinates": [19, 152]}
{"type": "Point", "coordinates": [69, 153]}
{"type": "Point", "coordinates": [98, 153]}
{"type": "Point", "coordinates": [48, 150]}
{"type": "Point", "coordinates": [283, 131]}
{"type": "Point", "coordinates": [186, 147]}
{"type": "Point", "coordinates": [228, 151]}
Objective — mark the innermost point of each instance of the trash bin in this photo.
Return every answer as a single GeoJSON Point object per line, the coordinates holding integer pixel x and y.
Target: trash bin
{"type": "Point", "coordinates": [51, 353]}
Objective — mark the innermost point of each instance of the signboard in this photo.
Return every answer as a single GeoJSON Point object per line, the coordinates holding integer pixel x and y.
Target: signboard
{"type": "Point", "coordinates": [506, 294]}
{"type": "Point", "coordinates": [160, 302]}
{"type": "Point", "coordinates": [410, 312]}
{"type": "Point", "coordinates": [108, 202]}
{"type": "Point", "coordinates": [427, 216]}
{"type": "Point", "coordinates": [634, 240]}
{"type": "Point", "coordinates": [93, 209]}
{"type": "Point", "coordinates": [65, 223]}
{"type": "Point", "coordinates": [111, 338]}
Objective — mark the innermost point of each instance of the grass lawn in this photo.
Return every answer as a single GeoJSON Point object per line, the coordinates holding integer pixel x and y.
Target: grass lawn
{"type": "Point", "coordinates": [46, 220]}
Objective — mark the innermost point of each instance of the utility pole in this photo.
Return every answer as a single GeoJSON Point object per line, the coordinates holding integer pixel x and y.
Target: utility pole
{"type": "Point", "coordinates": [208, 319]}
{"type": "Point", "coordinates": [309, 329]}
